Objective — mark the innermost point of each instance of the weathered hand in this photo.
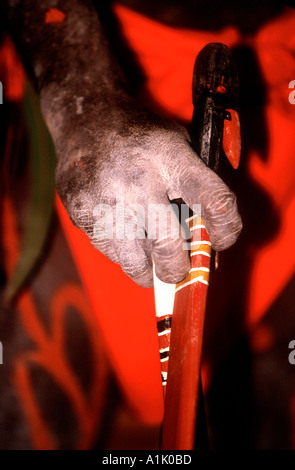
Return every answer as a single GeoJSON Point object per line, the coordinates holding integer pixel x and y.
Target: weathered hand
{"type": "Point", "coordinates": [136, 158]}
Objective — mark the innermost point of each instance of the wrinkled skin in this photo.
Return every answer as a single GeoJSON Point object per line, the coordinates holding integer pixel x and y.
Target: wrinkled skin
{"type": "Point", "coordinates": [108, 146]}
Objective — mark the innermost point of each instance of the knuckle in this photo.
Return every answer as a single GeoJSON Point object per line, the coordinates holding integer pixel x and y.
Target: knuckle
{"type": "Point", "coordinates": [222, 207]}
{"type": "Point", "coordinates": [81, 212]}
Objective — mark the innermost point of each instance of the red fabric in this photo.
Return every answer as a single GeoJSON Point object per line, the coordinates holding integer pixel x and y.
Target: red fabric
{"type": "Point", "coordinates": [274, 266]}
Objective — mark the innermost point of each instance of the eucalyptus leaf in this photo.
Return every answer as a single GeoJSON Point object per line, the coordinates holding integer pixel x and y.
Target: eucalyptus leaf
{"type": "Point", "coordinates": [42, 168]}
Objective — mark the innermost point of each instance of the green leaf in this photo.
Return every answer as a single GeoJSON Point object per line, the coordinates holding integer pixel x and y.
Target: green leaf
{"type": "Point", "coordinates": [42, 166]}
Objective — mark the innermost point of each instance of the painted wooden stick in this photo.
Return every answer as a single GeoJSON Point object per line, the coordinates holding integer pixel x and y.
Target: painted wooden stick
{"type": "Point", "coordinates": [181, 399]}
{"type": "Point", "coordinates": [215, 102]}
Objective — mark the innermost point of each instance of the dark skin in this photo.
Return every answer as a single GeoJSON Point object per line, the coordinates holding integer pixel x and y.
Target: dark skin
{"type": "Point", "coordinates": [110, 146]}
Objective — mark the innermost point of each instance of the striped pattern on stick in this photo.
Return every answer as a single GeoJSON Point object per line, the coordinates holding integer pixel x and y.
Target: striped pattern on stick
{"type": "Point", "coordinates": [200, 254]}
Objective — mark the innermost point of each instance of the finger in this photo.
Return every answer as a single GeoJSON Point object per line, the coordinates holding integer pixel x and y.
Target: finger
{"type": "Point", "coordinates": [135, 260]}
{"type": "Point", "coordinates": [200, 185]}
{"type": "Point", "coordinates": [118, 232]}
{"type": "Point", "coordinates": [132, 255]}
{"type": "Point", "coordinates": [168, 243]}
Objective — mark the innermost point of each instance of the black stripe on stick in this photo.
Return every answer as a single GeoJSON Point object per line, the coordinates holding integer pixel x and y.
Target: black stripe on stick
{"type": "Point", "coordinates": [164, 324]}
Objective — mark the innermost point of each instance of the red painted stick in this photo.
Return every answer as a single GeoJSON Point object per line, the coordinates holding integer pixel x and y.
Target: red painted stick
{"type": "Point", "coordinates": [186, 348]}
{"type": "Point", "coordinates": [215, 97]}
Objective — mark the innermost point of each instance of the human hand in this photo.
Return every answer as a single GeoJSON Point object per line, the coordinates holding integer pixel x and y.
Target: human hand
{"type": "Point", "coordinates": [121, 173]}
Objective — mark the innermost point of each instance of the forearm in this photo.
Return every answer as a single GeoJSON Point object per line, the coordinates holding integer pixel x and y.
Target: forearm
{"type": "Point", "coordinates": [70, 59]}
